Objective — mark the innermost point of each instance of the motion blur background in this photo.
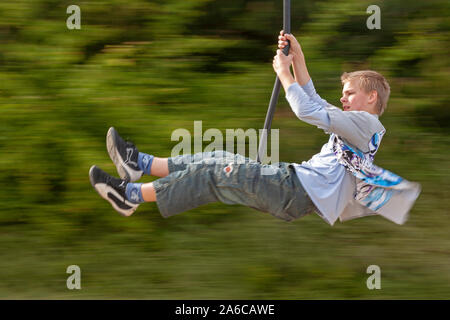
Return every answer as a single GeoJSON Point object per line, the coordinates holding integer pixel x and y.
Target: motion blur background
{"type": "Point", "coordinates": [150, 67]}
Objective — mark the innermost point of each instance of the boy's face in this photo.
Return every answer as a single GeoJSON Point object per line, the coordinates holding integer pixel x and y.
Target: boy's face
{"type": "Point", "coordinates": [356, 99]}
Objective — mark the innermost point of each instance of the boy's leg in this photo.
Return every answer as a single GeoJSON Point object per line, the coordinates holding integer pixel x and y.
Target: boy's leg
{"type": "Point", "coordinates": [148, 192]}
{"type": "Point", "coordinates": [280, 194]}
{"type": "Point", "coordinates": [180, 163]}
{"type": "Point", "coordinates": [132, 164]}
{"type": "Point", "coordinates": [161, 167]}
{"type": "Point", "coordinates": [114, 190]}
{"type": "Point", "coordinates": [192, 180]}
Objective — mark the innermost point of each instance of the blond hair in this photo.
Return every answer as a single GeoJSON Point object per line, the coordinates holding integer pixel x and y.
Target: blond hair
{"type": "Point", "coordinates": [368, 81]}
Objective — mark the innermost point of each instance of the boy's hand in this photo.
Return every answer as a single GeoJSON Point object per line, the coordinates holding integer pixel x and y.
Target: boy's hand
{"type": "Point", "coordinates": [295, 48]}
{"type": "Point", "coordinates": [282, 63]}
{"type": "Point", "coordinates": [299, 64]}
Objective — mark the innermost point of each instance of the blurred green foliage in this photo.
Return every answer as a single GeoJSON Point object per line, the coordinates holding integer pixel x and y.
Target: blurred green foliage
{"type": "Point", "coordinates": [150, 67]}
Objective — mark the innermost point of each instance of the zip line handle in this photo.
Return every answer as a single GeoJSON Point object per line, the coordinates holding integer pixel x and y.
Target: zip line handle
{"type": "Point", "coordinates": [276, 89]}
{"type": "Point", "coordinates": [286, 48]}
{"type": "Point", "coordinates": [287, 23]}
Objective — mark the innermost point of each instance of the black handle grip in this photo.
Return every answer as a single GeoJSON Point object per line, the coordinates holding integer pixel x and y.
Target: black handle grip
{"type": "Point", "coordinates": [287, 23]}
{"type": "Point", "coordinates": [286, 48]}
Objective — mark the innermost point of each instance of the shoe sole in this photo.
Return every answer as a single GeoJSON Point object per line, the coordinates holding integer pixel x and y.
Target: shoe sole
{"type": "Point", "coordinates": [124, 171]}
{"type": "Point", "coordinates": [103, 189]}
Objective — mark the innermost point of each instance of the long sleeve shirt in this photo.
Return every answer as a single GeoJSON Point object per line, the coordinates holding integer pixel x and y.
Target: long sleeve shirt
{"type": "Point", "coordinates": [330, 186]}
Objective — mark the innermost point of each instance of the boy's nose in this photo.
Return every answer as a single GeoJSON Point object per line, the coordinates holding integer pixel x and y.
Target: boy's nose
{"type": "Point", "coordinates": [342, 100]}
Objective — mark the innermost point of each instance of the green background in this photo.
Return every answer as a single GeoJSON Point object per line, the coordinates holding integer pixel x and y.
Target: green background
{"type": "Point", "coordinates": [150, 67]}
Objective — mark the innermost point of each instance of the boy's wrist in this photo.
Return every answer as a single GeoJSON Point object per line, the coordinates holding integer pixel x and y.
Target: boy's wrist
{"type": "Point", "coordinates": [284, 72]}
{"type": "Point", "coordinates": [298, 58]}
{"type": "Point", "coordinates": [286, 78]}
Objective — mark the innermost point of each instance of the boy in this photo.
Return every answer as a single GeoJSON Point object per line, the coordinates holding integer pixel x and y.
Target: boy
{"type": "Point", "coordinates": [339, 182]}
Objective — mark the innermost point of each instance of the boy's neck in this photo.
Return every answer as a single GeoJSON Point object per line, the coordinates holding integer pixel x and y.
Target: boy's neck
{"type": "Point", "coordinates": [372, 110]}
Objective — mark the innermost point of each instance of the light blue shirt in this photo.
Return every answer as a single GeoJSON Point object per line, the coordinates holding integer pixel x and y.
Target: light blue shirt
{"type": "Point", "coordinates": [330, 186]}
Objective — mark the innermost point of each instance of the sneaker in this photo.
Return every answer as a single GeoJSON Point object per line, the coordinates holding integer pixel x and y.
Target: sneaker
{"type": "Point", "coordinates": [113, 190]}
{"type": "Point", "coordinates": [124, 154]}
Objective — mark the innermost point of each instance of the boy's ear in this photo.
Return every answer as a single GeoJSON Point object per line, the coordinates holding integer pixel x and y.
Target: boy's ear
{"type": "Point", "coordinates": [373, 95]}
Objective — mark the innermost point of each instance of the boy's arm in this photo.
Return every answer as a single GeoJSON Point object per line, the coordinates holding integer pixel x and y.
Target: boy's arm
{"type": "Point", "coordinates": [301, 103]}
{"type": "Point", "coordinates": [299, 65]}
{"type": "Point", "coordinates": [311, 91]}
{"type": "Point", "coordinates": [356, 127]}
{"type": "Point", "coordinates": [306, 109]}
{"type": "Point", "coordinates": [301, 73]}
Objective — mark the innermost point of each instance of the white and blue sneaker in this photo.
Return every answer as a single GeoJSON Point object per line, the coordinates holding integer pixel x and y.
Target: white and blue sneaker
{"type": "Point", "coordinates": [124, 154]}
{"type": "Point", "coordinates": [113, 190]}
